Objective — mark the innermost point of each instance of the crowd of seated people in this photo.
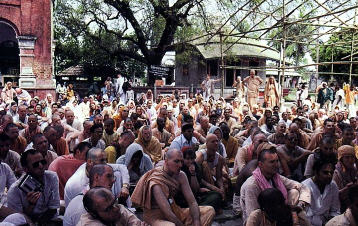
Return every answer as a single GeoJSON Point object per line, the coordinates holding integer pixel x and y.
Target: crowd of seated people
{"type": "Point", "coordinates": [180, 161]}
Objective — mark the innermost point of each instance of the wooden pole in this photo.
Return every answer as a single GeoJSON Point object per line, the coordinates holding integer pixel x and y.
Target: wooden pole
{"type": "Point", "coordinates": [222, 64]}
{"type": "Point", "coordinates": [283, 48]}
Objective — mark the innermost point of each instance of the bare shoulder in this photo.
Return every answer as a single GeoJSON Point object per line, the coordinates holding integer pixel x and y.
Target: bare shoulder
{"type": "Point", "coordinates": [182, 177]}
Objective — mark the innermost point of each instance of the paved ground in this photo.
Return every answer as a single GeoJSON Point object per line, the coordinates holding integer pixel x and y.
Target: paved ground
{"type": "Point", "coordinates": [227, 219]}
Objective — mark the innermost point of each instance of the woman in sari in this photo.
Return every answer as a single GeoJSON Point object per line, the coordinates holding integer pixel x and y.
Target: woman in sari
{"type": "Point", "coordinates": [272, 93]}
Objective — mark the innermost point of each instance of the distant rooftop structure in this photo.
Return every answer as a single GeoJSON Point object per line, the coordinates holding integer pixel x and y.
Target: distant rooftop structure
{"type": "Point", "coordinates": [72, 71]}
{"type": "Point", "coordinates": [245, 47]}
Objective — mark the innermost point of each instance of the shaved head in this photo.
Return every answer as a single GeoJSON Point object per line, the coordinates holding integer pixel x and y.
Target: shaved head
{"type": "Point", "coordinates": [171, 153]}
{"type": "Point", "coordinates": [210, 137]}
{"type": "Point", "coordinates": [293, 128]}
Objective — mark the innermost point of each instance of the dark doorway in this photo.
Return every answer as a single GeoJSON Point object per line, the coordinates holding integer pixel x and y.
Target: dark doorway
{"type": "Point", "coordinates": [9, 54]}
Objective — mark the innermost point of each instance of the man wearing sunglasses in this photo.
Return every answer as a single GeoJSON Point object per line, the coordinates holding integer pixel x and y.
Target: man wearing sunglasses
{"type": "Point", "coordinates": [40, 206]}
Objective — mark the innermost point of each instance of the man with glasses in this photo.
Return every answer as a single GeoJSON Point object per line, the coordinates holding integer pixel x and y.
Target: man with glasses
{"type": "Point", "coordinates": [41, 206]}
{"type": "Point", "coordinates": [95, 138]}
{"type": "Point", "coordinates": [79, 182]}
{"type": "Point", "coordinates": [41, 144]}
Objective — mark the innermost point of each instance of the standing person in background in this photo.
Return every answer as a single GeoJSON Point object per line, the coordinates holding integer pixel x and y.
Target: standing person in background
{"type": "Point", "coordinates": [129, 93]}
{"type": "Point", "coordinates": [325, 96]}
{"type": "Point", "coordinates": [119, 88]}
{"type": "Point", "coordinates": [350, 99]}
{"type": "Point", "coordinates": [252, 83]}
{"type": "Point", "coordinates": [339, 98]}
{"type": "Point", "coordinates": [208, 86]}
{"type": "Point", "coordinates": [272, 93]}
{"type": "Point", "coordinates": [240, 89]}
{"type": "Point", "coordinates": [301, 95]}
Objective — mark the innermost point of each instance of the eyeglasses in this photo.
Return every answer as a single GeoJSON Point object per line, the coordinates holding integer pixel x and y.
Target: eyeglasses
{"type": "Point", "coordinates": [37, 164]}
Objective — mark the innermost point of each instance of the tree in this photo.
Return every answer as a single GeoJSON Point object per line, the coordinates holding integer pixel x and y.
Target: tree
{"type": "Point", "coordinates": [141, 30]}
{"type": "Point", "coordinates": [338, 46]}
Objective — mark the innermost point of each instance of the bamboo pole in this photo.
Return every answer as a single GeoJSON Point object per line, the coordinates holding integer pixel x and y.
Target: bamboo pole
{"type": "Point", "coordinates": [292, 67]}
{"type": "Point", "coordinates": [222, 69]}
{"type": "Point", "coordinates": [283, 46]}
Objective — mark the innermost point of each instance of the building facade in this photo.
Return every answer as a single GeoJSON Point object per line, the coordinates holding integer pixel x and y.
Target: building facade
{"type": "Point", "coordinates": [240, 56]}
{"type": "Point", "coordinates": [26, 45]}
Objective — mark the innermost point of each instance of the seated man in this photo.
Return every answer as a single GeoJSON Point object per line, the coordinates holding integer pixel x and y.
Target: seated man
{"type": "Point", "coordinates": [40, 206]}
{"type": "Point", "coordinates": [274, 211]}
{"type": "Point", "coordinates": [303, 137]}
{"type": "Point", "coordinates": [71, 121]}
{"type": "Point", "coordinates": [17, 142]}
{"type": "Point", "coordinates": [231, 144]}
{"type": "Point", "coordinates": [127, 125]}
{"type": "Point", "coordinates": [114, 151]}
{"type": "Point", "coordinates": [41, 144]}
{"type": "Point", "coordinates": [210, 160]}
{"type": "Point", "coordinates": [326, 147]}
{"type": "Point", "coordinates": [95, 139]}
{"type": "Point", "coordinates": [55, 139]}
{"type": "Point", "coordinates": [109, 136]}
{"type": "Point", "coordinates": [247, 153]}
{"type": "Point", "coordinates": [21, 118]}
{"type": "Point", "coordinates": [79, 181]}
{"type": "Point", "coordinates": [185, 139]}
{"type": "Point", "coordinates": [102, 210]}
{"type": "Point", "coordinates": [169, 125]}
{"type": "Point", "coordinates": [155, 193]}
{"type": "Point", "coordinates": [149, 143]}
{"type": "Point", "coordinates": [66, 165]}
{"type": "Point", "coordinates": [324, 203]}
{"type": "Point", "coordinates": [32, 129]}
{"type": "Point", "coordinates": [164, 137]}
{"type": "Point", "coordinates": [8, 156]}
{"type": "Point", "coordinates": [268, 128]}
{"type": "Point", "coordinates": [350, 216]}
{"type": "Point", "coordinates": [265, 176]}
{"type": "Point", "coordinates": [204, 126]}
{"type": "Point", "coordinates": [279, 136]}
{"type": "Point", "coordinates": [295, 156]}
{"type": "Point", "coordinates": [137, 162]}
{"type": "Point", "coordinates": [345, 173]}
{"type": "Point", "coordinates": [100, 175]}
{"type": "Point", "coordinates": [347, 138]}
{"type": "Point", "coordinates": [7, 178]}
{"type": "Point", "coordinates": [328, 130]}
